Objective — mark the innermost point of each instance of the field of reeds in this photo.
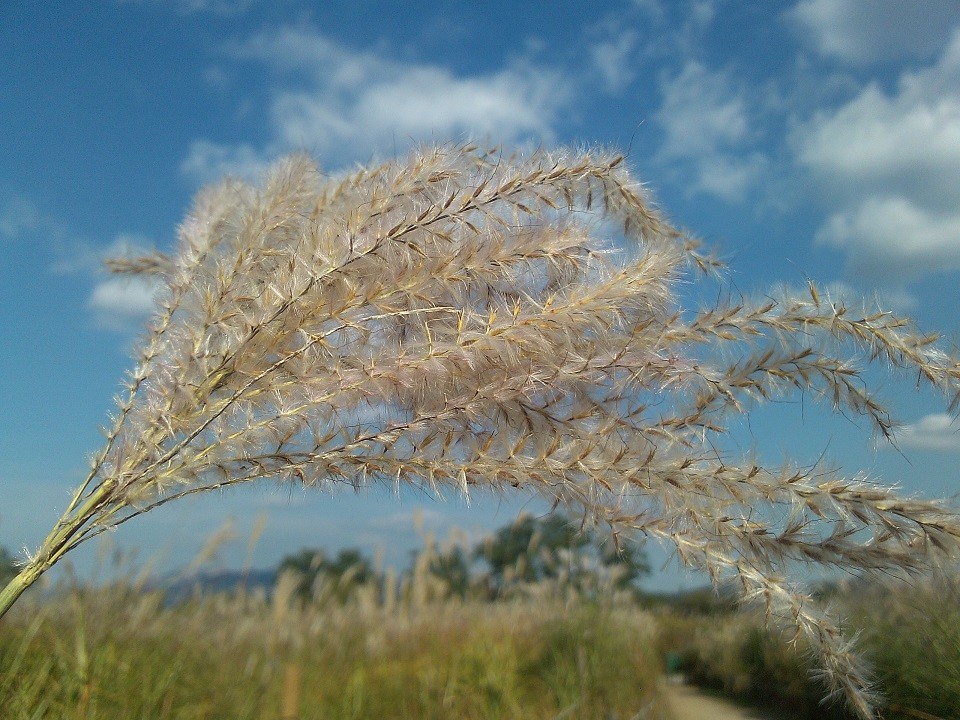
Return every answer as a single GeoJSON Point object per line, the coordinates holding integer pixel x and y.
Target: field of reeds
{"type": "Point", "coordinates": [358, 642]}
{"type": "Point", "coordinates": [408, 649]}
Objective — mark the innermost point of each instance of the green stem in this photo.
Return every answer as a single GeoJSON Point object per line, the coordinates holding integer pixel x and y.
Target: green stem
{"type": "Point", "coordinates": [16, 587]}
{"type": "Point", "coordinates": [55, 545]}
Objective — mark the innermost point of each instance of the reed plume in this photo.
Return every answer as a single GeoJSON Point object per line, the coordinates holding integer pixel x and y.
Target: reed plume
{"type": "Point", "coordinates": [458, 320]}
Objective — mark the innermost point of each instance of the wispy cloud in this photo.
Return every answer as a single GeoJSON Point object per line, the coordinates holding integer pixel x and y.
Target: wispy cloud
{"type": "Point", "coordinates": [702, 112]}
{"type": "Point", "coordinates": [222, 8]}
{"type": "Point", "coordinates": [613, 56]}
{"type": "Point", "coordinates": [207, 162]}
{"type": "Point", "coordinates": [890, 164]}
{"type": "Point", "coordinates": [886, 31]}
{"type": "Point", "coordinates": [702, 12]}
{"type": "Point", "coordinates": [347, 104]}
{"type": "Point", "coordinates": [856, 298]}
{"type": "Point", "coordinates": [704, 115]}
{"type": "Point", "coordinates": [18, 216]}
{"type": "Point", "coordinates": [81, 257]}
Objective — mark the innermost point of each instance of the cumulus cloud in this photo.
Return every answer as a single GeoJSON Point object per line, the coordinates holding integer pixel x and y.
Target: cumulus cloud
{"type": "Point", "coordinates": [345, 104]}
{"type": "Point", "coordinates": [861, 33]}
{"type": "Point", "coordinates": [122, 304]}
{"type": "Point", "coordinates": [937, 432]}
{"type": "Point", "coordinates": [415, 103]}
{"type": "Point", "coordinates": [894, 236]}
{"type": "Point", "coordinates": [909, 140]}
{"type": "Point", "coordinates": [705, 120]}
{"type": "Point", "coordinates": [891, 163]}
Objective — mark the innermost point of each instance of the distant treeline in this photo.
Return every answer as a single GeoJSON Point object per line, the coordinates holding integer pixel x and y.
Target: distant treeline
{"type": "Point", "coordinates": [526, 553]}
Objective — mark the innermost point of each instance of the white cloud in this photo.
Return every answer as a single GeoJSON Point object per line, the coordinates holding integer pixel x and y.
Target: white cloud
{"type": "Point", "coordinates": [18, 216]}
{"type": "Point", "coordinates": [119, 304]}
{"type": "Point", "coordinates": [346, 105]}
{"type": "Point", "coordinates": [893, 236]}
{"type": "Point", "coordinates": [416, 103]}
{"type": "Point", "coordinates": [122, 304]}
{"type": "Point", "coordinates": [861, 33]}
{"type": "Point", "coordinates": [937, 432]}
{"type": "Point", "coordinates": [890, 163]}
{"type": "Point", "coordinates": [910, 141]}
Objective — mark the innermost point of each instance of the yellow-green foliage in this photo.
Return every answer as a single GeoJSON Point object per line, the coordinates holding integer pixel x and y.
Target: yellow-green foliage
{"type": "Point", "coordinates": [738, 654]}
{"type": "Point", "coordinates": [910, 635]}
{"type": "Point", "coordinates": [120, 654]}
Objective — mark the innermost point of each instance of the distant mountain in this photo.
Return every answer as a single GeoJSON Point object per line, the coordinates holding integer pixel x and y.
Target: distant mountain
{"type": "Point", "coordinates": [221, 581]}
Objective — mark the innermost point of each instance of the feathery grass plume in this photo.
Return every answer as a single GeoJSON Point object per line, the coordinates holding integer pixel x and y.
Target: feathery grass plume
{"type": "Point", "coordinates": [454, 320]}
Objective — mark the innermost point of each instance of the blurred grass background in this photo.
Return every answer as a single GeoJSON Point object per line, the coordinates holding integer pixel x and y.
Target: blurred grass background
{"type": "Point", "coordinates": [520, 626]}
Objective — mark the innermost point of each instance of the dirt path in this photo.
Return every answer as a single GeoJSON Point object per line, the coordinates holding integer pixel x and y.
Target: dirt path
{"type": "Point", "coordinates": [689, 703]}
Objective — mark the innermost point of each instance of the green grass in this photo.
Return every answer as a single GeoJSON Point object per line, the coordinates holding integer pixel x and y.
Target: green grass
{"type": "Point", "coordinates": [120, 654]}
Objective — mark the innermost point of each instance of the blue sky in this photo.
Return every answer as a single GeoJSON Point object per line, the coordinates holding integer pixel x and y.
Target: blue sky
{"type": "Point", "coordinates": [806, 139]}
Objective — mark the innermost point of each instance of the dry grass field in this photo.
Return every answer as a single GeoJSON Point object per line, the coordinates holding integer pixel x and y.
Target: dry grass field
{"type": "Point", "coordinates": [120, 653]}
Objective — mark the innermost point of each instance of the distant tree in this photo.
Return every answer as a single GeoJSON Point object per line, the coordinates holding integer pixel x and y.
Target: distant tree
{"type": "Point", "coordinates": [529, 548]}
{"type": "Point", "coordinates": [629, 561]}
{"type": "Point", "coordinates": [533, 549]}
{"type": "Point", "coordinates": [349, 569]}
{"type": "Point", "coordinates": [350, 565]}
{"type": "Point", "coordinates": [452, 566]}
{"type": "Point", "coordinates": [306, 564]}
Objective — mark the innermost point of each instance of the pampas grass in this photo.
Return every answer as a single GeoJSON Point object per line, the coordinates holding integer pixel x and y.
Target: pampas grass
{"type": "Point", "coordinates": [457, 320]}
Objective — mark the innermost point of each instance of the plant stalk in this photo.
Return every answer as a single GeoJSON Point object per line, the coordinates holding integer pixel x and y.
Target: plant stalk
{"type": "Point", "coordinates": [16, 587]}
{"type": "Point", "coordinates": [61, 539]}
